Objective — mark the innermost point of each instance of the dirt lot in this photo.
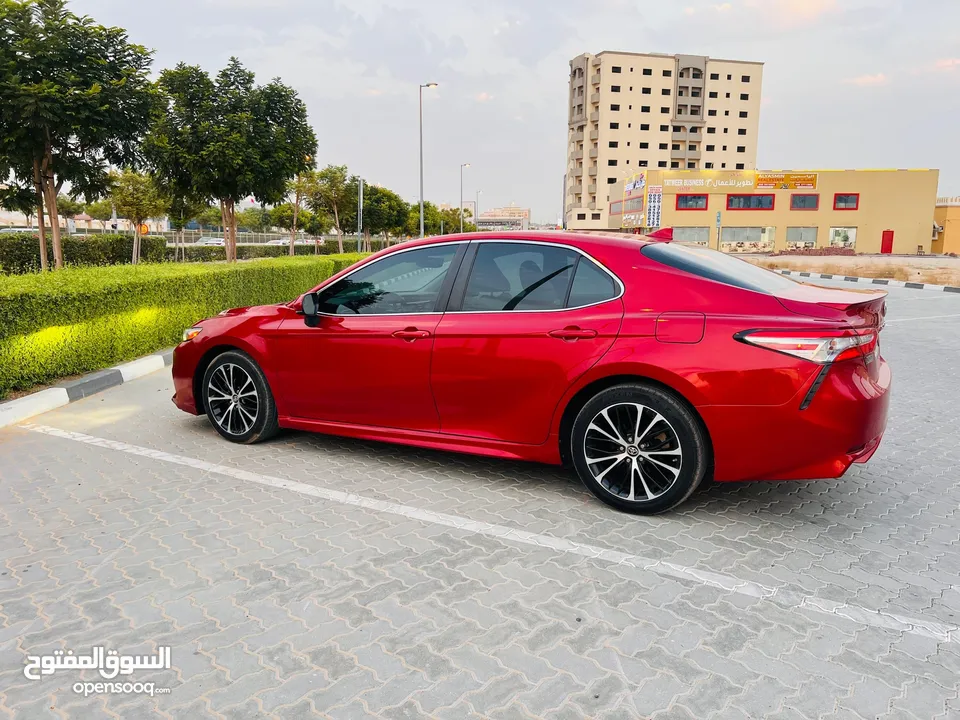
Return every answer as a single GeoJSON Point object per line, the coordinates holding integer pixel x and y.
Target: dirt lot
{"type": "Point", "coordinates": [937, 270]}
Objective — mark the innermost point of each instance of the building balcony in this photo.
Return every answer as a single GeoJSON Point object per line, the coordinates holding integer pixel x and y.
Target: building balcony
{"type": "Point", "coordinates": [575, 205]}
{"type": "Point", "coordinates": [578, 172]}
{"type": "Point", "coordinates": [592, 172]}
{"type": "Point", "coordinates": [577, 137]}
{"type": "Point", "coordinates": [594, 98]}
{"type": "Point", "coordinates": [678, 154]}
{"type": "Point", "coordinates": [577, 189]}
{"type": "Point", "coordinates": [682, 135]}
{"type": "Point", "coordinates": [594, 153]}
{"type": "Point", "coordinates": [592, 206]}
{"type": "Point", "coordinates": [578, 154]}
{"type": "Point", "coordinates": [592, 189]}
{"type": "Point", "coordinates": [595, 79]}
{"type": "Point", "coordinates": [595, 116]}
{"type": "Point", "coordinates": [693, 154]}
{"type": "Point", "coordinates": [594, 134]}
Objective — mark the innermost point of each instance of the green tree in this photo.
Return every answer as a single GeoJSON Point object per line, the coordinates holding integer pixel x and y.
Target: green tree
{"type": "Point", "coordinates": [299, 189]}
{"type": "Point", "coordinates": [75, 98]}
{"type": "Point", "coordinates": [254, 219]}
{"type": "Point", "coordinates": [451, 221]}
{"type": "Point", "coordinates": [68, 206]}
{"type": "Point", "coordinates": [227, 139]}
{"type": "Point", "coordinates": [384, 212]}
{"type": "Point", "coordinates": [332, 193]}
{"type": "Point", "coordinates": [101, 211]}
{"type": "Point", "coordinates": [181, 210]}
{"type": "Point", "coordinates": [210, 217]}
{"type": "Point", "coordinates": [316, 223]}
{"type": "Point", "coordinates": [136, 196]}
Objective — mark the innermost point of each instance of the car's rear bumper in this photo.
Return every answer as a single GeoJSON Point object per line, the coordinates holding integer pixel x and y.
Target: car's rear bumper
{"type": "Point", "coordinates": [843, 424]}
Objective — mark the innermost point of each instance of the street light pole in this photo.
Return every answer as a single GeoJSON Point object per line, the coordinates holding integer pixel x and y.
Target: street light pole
{"type": "Point", "coordinates": [476, 209]}
{"type": "Point", "coordinates": [425, 85]}
{"type": "Point", "coordinates": [462, 166]}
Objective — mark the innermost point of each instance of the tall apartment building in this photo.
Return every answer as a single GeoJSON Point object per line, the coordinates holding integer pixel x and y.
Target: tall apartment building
{"type": "Point", "coordinates": [631, 111]}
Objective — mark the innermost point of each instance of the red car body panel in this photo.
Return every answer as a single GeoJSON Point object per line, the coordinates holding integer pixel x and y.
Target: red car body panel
{"type": "Point", "coordinates": [499, 384]}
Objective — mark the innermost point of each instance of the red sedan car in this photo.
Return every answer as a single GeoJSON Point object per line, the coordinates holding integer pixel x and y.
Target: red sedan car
{"type": "Point", "coordinates": [647, 366]}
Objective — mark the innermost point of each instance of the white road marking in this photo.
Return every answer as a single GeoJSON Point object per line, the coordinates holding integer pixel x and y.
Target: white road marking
{"type": "Point", "coordinates": [898, 623]}
{"type": "Point", "coordinates": [928, 317]}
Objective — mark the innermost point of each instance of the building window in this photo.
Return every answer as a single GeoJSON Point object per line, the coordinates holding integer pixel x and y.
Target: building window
{"type": "Point", "coordinates": [647, 71]}
{"type": "Point", "coordinates": [645, 126]}
{"type": "Point", "coordinates": [642, 163]}
{"type": "Point", "coordinates": [801, 237]}
{"type": "Point", "coordinates": [692, 202]}
{"type": "Point", "coordinates": [729, 77]}
{"type": "Point", "coordinates": [691, 148]}
{"type": "Point", "coordinates": [611, 181]}
{"type": "Point", "coordinates": [664, 128]}
{"type": "Point", "coordinates": [662, 163]}
{"type": "Point", "coordinates": [711, 148]}
{"type": "Point", "coordinates": [644, 145]}
{"type": "Point", "coordinates": [694, 93]}
{"type": "Point", "coordinates": [741, 148]}
{"type": "Point", "coordinates": [613, 144]}
{"type": "Point", "coordinates": [728, 96]}
{"type": "Point", "coordinates": [745, 78]}
{"type": "Point", "coordinates": [678, 128]}
{"type": "Point", "coordinates": [845, 237]}
{"type": "Point", "coordinates": [712, 113]}
{"type": "Point", "coordinates": [712, 94]}
{"type": "Point", "coordinates": [614, 88]}
{"type": "Point", "coordinates": [726, 113]}
{"type": "Point", "coordinates": [676, 146]}
{"type": "Point", "coordinates": [616, 69]}
{"type": "Point", "coordinates": [675, 164]}
{"type": "Point", "coordinates": [744, 96]}
{"type": "Point", "coordinates": [723, 165]}
{"type": "Point", "coordinates": [682, 93]}
{"type": "Point", "coordinates": [595, 216]}
{"type": "Point", "coordinates": [694, 130]}
{"type": "Point", "coordinates": [846, 201]}
{"type": "Point", "coordinates": [614, 107]}
{"type": "Point", "coordinates": [665, 110]}
{"type": "Point", "coordinates": [645, 108]}
{"type": "Point", "coordinates": [581, 216]}
{"type": "Point", "coordinates": [709, 166]}
{"type": "Point", "coordinates": [663, 146]}
{"type": "Point", "coordinates": [611, 162]}
{"type": "Point", "coordinates": [711, 131]}
{"type": "Point", "coordinates": [615, 126]}
{"type": "Point", "coordinates": [668, 73]}
{"type": "Point", "coordinates": [691, 165]}
{"type": "Point", "coordinates": [751, 202]}
{"type": "Point", "coordinates": [697, 75]}
{"type": "Point", "coordinates": [743, 113]}
{"type": "Point", "coordinates": [681, 111]}
{"type": "Point", "coordinates": [665, 91]}
{"type": "Point", "coordinates": [742, 131]}
{"type": "Point", "coordinates": [739, 166]}
{"type": "Point", "coordinates": [714, 76]}
{"type": "Point", "coordinates": [726, 130]}
{"type": "Point", "coordinates": [695, 110]}
{"type": "Point", "coordinates": [646, 91]}
{"type": "Point", "coordinates": [805, 201]}
{"type": "Point", "coordinates": [724, 148]}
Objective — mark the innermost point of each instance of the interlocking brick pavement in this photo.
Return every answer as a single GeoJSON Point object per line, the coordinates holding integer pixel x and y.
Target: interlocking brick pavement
{"type": "Point", "coordinates": [279, 603]}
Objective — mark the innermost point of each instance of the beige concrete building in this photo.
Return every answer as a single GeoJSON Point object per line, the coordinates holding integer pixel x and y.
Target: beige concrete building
{"type": "Point", "coordinates": [870, 211]}
{"type": "Point", "coordinates": [632, 111]}
{"type": "Point", "coordinates": [946, 230]}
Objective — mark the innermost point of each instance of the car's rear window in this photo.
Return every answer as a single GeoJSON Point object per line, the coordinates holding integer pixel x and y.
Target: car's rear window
{"type": "Point", "coordinates": [718, 266]}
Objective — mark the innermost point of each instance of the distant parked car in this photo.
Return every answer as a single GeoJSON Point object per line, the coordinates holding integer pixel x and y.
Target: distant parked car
{"type": "Point", "coordinates": [277, 242]}
{"type": "Point", "coordinates": [218, 242]}
{"type": "Point", "coordinates": [11, 230]}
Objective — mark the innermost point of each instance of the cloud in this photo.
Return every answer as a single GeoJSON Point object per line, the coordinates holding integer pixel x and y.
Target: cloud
{"type": "Point", "coordinates": [868, 80]}
{"type": "Point", "coordinates": [725, 7]}
{"type": "Point", "coordinates": [483, 97]}
{"type": "Point", "coordinates": [689, 11]}
{"type": "Point", "coordinates": [947, 64]}
{"type": "Point", "coordinates": [790, 14]}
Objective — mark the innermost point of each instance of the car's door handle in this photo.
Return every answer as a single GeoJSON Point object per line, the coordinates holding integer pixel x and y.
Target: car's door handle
{"type": "Point", "coordinates": [410, 334]}
{"type": "Point", "coordinates": [572, 333]}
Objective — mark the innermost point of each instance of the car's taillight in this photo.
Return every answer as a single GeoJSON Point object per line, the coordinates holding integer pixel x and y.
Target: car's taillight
{"type": "Point", "coordinates": [821, 346]}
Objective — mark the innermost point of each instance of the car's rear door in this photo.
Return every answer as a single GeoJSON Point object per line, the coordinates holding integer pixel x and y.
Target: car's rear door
{"type": "Point", "coordinates": [525, 319]}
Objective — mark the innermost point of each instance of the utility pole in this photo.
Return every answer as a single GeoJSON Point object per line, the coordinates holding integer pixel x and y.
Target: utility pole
{"type": "Point", "coordinates": [359, 211]}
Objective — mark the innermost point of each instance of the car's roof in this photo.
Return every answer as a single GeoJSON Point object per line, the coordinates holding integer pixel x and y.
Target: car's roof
{"type": "Point", "coordinates": [560, 237]}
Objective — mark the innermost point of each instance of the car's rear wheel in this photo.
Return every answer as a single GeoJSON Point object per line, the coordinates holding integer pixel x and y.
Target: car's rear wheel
{"type": "Point", "coordinates": [238, 399]}
{"type": "Point", "coordinates": [639, 448]}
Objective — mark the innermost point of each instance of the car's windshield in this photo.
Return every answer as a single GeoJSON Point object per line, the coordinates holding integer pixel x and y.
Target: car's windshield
{"type": "Point", "coordinates": [718, 266]}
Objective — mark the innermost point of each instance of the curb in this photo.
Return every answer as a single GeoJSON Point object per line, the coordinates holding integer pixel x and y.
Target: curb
{"type": "Point", "coordinates": [14, 411]}
{"type": "Point", "coordinates": [874, 281]}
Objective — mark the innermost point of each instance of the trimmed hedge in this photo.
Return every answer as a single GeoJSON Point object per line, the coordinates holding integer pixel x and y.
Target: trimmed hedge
{"type": "Point", "coordinates": [81, 319]}
{"type": "Point", "coordinates": [207, 253]}
{"type": "Point", "coordinates": [20, 253]}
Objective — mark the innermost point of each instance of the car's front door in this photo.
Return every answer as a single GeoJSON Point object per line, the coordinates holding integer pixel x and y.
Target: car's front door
{"type": "Point", "coordinates": [367, 362]}
{"type": "Point", "coordinates": [524, 321]}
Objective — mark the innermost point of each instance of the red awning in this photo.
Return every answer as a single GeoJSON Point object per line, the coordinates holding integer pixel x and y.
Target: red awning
{"type": "Point", "coordinates": [661, 234]}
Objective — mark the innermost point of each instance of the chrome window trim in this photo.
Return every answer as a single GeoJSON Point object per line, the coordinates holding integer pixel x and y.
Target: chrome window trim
{"type": "Point", "coordinates": [582, 253]}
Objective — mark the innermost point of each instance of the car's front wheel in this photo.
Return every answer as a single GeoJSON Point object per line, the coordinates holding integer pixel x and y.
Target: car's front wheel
{"type": "Point", "coordinates": [238, 399]}
{"type": "Point", "coordinates": [639, 448]}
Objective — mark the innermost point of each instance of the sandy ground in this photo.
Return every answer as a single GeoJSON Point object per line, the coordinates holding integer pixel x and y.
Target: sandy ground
{"type": "Point", "coordinates": [938, 270]}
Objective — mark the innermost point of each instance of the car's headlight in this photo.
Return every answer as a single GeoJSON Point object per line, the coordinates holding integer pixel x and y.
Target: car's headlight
{"type": "Point", "coordinates": [191, 333]}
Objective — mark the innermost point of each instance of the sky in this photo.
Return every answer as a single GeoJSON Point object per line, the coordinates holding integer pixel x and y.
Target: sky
{"type": "Point", "coordinates": [847, 83]}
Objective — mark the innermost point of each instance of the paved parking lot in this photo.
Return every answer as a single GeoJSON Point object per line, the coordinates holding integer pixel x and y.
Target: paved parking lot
{"type": "Point", "coordinates": [320, 577]}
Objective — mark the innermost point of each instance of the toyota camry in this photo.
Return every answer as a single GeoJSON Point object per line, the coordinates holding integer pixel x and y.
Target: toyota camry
{"type": "Point", "coordinates": [645, 366]}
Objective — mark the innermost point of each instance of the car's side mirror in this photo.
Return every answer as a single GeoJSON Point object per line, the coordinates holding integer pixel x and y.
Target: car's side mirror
{"type": "Point", "coordinates": [310, 306]}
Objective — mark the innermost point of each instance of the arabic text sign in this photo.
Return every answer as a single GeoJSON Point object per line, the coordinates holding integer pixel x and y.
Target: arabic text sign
{"type": "Point", "coordinates": [786, 181]}
{"type": "Point", "coordinates": [109, 663]}
{"type": "Point", "coordinates": [707, 181]}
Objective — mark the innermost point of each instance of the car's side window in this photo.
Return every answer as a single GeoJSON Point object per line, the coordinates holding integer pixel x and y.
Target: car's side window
{"type": "Point", "coordinates": [399, 284]}
{"type": "Point", "coordinates": [590, 285]}
{"type": "Point", "coordinates": [518, 276]}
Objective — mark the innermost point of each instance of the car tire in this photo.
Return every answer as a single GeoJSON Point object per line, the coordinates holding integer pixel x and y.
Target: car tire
{"type": "Point", "coordinates": [639, 448]}
{"type": "Point", "coordinates": [238, 400]}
